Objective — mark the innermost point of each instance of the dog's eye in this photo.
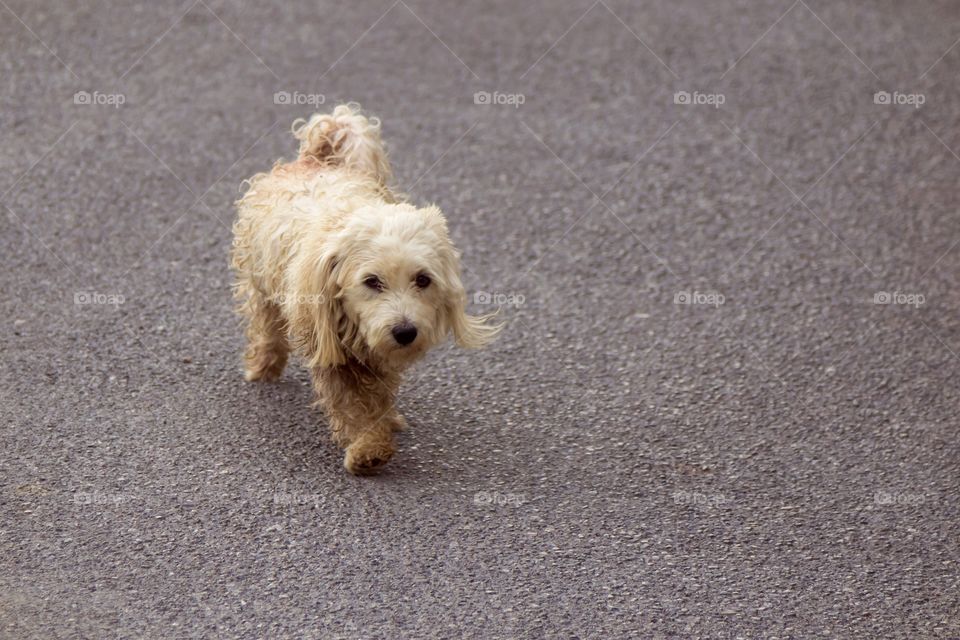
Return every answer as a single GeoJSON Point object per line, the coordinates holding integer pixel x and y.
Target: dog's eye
{"type": "Point", "coordinates": [422, 281]}
{"type": "Point", "coordinates": [373, 282]}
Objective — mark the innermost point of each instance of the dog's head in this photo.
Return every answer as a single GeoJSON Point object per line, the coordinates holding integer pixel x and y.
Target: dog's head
{"type": "Point", "coordinates": [388, 289]}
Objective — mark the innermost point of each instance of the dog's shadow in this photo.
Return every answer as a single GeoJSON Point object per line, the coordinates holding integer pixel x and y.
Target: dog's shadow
{"type": "Point", "coordinates": [292, 431]}
{"type": "Point", "coordinates": [444, 429]}
{"type": "Point", "coordinates": [294, 434]}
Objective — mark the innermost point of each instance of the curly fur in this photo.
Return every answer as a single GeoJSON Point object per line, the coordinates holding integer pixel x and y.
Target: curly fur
{"type": "Point", "coordinates": [309, 236]}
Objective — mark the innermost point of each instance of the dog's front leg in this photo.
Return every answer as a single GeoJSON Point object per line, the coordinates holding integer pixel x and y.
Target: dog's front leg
{"type": "Point", "coordinates": [359, 405]}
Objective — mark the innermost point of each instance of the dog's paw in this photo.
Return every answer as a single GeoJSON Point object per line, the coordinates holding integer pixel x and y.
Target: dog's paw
{"type": "Point", "coordinates": [264, 366]}
{"type": "Point", "coordinates": [268, 374]}
{"type": "Point", "coordinates": [365, 458]}
{"type": "Point", "coordinates": [398, 422]}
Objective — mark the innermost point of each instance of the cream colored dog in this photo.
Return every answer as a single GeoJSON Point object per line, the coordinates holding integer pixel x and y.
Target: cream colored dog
{"type": "Point", "coordinates": [334, 264]}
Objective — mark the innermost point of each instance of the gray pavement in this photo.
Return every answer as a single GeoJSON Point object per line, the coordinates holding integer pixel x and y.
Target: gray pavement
{"type": "Point", "coordinates": [725, 401]}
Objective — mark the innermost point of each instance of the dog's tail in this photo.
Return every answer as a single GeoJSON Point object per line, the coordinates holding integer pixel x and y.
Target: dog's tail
{"type": "Point", "coordinates": [344, 138]}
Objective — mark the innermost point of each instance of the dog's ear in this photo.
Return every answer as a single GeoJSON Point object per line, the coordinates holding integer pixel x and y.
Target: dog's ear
{"type": "Point", "coordinates": [313, 308]}
{"type": "Point", "coordinates": [471, 332]}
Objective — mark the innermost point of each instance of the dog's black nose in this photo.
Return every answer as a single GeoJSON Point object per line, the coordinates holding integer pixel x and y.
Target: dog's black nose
{"type": "Point", "coordinates": [404, 333]}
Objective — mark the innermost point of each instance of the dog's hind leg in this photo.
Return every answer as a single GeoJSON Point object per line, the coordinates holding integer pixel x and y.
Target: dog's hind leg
{"type": "Point", "coordinates": [267, 346]}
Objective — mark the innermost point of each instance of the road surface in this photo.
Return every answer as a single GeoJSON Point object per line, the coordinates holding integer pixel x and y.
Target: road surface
{"type": "Point", "coordinates": [721, 235]}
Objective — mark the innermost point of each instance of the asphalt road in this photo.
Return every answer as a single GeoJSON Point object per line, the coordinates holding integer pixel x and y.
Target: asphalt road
{"type": "Point", "coordinates": [724, 405]}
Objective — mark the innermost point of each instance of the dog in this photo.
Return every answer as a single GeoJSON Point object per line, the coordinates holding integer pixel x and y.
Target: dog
{"type": "Point", "coordinates": [334, 264]}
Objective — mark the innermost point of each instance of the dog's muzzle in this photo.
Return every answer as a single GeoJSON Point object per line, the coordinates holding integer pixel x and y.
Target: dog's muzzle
{"type": "Point", "coordinates": [404, 333]}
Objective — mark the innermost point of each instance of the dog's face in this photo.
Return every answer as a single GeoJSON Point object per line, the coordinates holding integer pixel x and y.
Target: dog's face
{"type": "Point", "coordinates": [392, 290]}
{"type": "Point", "coordinates": [395, 282]}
